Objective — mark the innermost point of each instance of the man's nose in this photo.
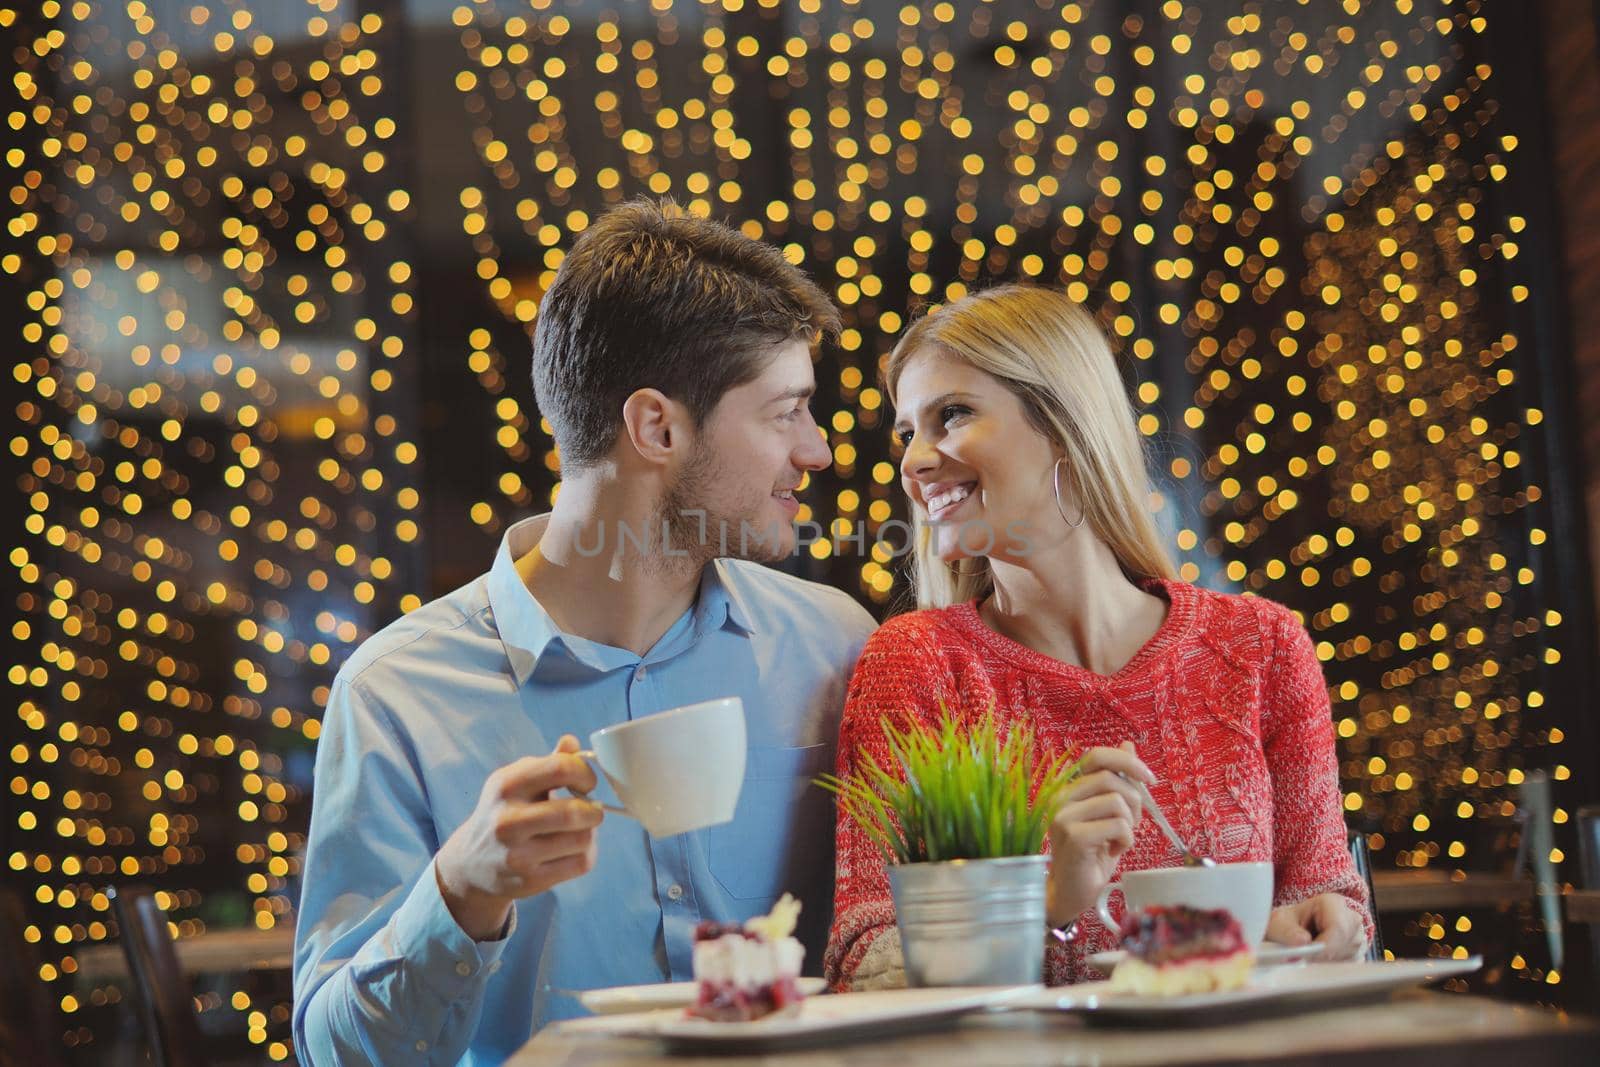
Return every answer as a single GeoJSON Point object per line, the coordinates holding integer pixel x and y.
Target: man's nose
{"type": "Point", "coordinates": [814, 453]}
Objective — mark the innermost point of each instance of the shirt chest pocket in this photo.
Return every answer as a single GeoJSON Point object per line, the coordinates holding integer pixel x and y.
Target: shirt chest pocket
{"type": "Point", "coordinates": [781, 836]}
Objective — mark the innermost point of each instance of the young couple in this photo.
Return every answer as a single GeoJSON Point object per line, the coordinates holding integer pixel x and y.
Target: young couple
{"type": "Point", "coordinates": [455, 895]}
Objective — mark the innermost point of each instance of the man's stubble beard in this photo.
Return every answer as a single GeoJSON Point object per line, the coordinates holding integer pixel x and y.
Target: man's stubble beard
{"type": "Point", "coordinates": [723, 533]}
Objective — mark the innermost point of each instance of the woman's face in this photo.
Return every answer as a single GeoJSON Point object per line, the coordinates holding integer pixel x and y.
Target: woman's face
{"type": "Point", "coordinates": [973, 462]}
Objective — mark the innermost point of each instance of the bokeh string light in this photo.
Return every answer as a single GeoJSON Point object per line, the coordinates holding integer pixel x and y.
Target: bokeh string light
{"type": "Point", "coordinates": [1291, 219]}
{"type": "Point", "coordinates": [1295, 208]}
{"type": "Point", "coordinates": [217, 486]}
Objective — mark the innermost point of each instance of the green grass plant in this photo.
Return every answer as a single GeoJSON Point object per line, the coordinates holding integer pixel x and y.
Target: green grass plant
{"type": "Point", "coordinates": [954, 791]}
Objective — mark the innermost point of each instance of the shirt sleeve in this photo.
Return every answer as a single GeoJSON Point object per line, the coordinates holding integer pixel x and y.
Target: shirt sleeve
{"type": "Point", "coordinates": [896, 677]}
{"type": "Point", "coordinates": [382, 971]}
{"type": "Point", "coordinates": [1311, 850]}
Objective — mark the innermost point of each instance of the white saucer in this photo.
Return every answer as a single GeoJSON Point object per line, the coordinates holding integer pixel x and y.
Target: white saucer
{"type": "Point", "coordinates": [621, 999]}
{"type": "Point", "coordinates": [1268, 954]}
{"type": "Point", "coordinates": [817, 1020]}
{"type": "Point", "coordinates": [1276, 989]}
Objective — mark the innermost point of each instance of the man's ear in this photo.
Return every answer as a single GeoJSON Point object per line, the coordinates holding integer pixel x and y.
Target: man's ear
{"type": "Point", "coordinates": [654, 424]}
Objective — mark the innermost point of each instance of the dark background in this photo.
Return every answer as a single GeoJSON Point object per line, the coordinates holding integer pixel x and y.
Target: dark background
{"type": "Point", "coordinates": [1346, 254]}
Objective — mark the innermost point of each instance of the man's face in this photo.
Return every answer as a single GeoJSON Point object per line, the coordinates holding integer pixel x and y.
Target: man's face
{"type": "Point", "coordinates": [749, 458]}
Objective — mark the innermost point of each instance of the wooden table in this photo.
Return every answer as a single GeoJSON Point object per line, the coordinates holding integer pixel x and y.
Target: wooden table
{"type": "Point", "coordinates": [1426, 1028]}
{"type": "Point", "coordinates": [1583, 906]}
{"type": "Point", "coordinates": [1444, 890]}
{"type": "Point", "coordinates": [213, 952]}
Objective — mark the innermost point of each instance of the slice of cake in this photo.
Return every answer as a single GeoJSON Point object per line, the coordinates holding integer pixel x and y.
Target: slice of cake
{"type": "Point", "coordinates": [750, 971]}
{"type": "Point", "coordinates": [1177, 950]}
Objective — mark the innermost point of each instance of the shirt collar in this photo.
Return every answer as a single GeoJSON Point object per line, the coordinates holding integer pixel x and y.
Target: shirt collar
{"type": "Point", "coordinates": [528, 632]}
{"type": "Point", "coordinates": [525, 628]}
{"type": "Point", "coordinates": [720, 602]}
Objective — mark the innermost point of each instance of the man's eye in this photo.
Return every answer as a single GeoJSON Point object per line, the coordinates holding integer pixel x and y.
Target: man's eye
{"type": "Point", "coordinates": [953, 411]}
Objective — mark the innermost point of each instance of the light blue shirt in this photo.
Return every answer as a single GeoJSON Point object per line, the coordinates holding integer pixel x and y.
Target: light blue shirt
{"type": "Point", "coordinates": [426, 709]}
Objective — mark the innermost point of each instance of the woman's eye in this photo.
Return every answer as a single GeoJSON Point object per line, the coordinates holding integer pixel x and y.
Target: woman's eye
{"type": "Point", "coordinates": [947, 414]}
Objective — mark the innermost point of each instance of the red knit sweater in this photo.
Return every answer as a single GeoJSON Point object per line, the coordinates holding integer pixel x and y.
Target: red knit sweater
{"type": "Point", "coordinates": [1226, 704]}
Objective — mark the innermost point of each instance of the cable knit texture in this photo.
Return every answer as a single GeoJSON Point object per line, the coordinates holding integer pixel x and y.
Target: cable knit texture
{"type": "Point", "coordinates": [1226, 704]}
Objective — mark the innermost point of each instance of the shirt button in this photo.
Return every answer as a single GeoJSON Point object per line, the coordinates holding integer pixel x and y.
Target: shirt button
{"type": "Point", "coordinates": [494, 967]}
{"type": "Point", "coordinates": [639, 674]}
{"type": "Point", "coordinates": [674, 891]}
{"type": "Point", "coordinates": [422, 1046]}
{"type": "Point", "coordinates": [464, 969]}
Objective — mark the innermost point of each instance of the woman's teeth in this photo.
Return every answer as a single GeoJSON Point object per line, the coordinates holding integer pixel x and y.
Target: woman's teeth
{"type": "Point", "coordinates": [948, 499]}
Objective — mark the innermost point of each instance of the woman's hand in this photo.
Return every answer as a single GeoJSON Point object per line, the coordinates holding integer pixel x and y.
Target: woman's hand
{"type": "Point", "coordinates": [1325, 918]}
{"type": "Point", "coordinates": [1092, 829]}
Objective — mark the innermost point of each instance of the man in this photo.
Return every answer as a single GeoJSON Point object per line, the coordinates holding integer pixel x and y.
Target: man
{"type": "Point", "coordinates": [452, 900]}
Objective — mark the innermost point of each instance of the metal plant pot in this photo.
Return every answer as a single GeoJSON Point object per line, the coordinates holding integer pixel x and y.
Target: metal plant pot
{"type": "Point", "coordinates": [971, 922]}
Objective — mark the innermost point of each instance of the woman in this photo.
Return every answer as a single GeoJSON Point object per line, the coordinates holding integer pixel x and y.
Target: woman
{"type": "Point", "coordinates": [1044, 590]}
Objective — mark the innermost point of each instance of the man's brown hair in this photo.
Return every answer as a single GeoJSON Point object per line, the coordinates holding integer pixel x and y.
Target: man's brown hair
{"type": "Point", "coordinates": [653, 297]}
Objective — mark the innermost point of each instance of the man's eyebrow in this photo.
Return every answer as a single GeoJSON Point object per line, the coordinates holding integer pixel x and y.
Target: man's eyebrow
{"type": "Point", "coordinates": [799, 392]}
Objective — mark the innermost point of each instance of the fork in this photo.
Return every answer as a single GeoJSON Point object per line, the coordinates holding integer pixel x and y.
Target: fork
{"type": "Point", "coordinates": [1191, 858]}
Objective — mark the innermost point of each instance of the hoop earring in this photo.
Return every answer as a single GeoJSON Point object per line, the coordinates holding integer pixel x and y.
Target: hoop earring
{"type": "Point", "coordinates": [1055, 482]}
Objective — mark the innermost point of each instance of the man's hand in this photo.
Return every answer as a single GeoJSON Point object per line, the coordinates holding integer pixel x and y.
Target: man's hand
{"type": "Point", "coordinates": [519, 840]}
{"type": "Point", "coordinates": [1324, 917]}
{"type": "Point", "coordinates": [1092, 830]}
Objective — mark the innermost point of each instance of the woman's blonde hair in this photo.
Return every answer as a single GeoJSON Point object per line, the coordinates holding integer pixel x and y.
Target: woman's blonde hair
{"type": "Point", "coordinates": [1047, 350]}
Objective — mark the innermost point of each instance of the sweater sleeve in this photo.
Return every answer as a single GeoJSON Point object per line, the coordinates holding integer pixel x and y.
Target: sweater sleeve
{"type": "Point", "coordinates": [897, 678]}
{"type": "Point", "coordinates": [1311, 853]}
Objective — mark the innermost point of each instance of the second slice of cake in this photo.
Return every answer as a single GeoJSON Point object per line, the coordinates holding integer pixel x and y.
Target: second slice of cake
{"type": "Point", "coordinates": [1172, 951]}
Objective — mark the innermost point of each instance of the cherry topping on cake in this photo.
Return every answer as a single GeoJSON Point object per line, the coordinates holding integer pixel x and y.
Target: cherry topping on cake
{"type": "Point", "coordinates": [1169, 934]}
{"type": "Point", "coordinates": [710, 930]}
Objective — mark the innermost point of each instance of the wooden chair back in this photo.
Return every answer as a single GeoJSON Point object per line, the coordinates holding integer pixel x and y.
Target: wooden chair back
{"type": "Point", "coordinates": [1363, 859]}
{"type": "Point", "coordinates": [166, 1005]}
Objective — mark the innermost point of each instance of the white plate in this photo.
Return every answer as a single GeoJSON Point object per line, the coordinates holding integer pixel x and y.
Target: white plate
{"type": "Point", "coordinates": [1268, 954]}
{"type": "Point", "coordinates": [1302, 987]}
{"type": "Point", "coordinates": [820, 1020]}
{"type": "Point", "coordinates": [620, 999]}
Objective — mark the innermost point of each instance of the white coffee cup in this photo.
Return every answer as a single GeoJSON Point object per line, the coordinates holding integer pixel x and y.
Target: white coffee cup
{"type": "Point", "coordinates": [1245, 889]}
{"type": "Point", "coordinates": [677, 770]}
